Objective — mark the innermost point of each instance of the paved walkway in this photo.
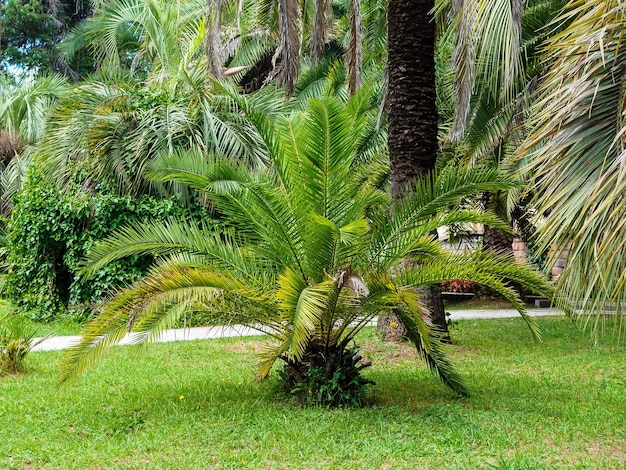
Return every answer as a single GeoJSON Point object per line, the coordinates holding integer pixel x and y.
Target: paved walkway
{"type": "Point", "coordinates": [187, 334]}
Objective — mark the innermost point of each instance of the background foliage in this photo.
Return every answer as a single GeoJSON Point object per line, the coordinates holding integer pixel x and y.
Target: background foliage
{"type": "Point", "coordinates": [49, 232]}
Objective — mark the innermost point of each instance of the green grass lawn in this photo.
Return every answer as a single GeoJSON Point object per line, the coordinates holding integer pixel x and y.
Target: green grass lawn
{"type": "Point", "coordinates": [195, 405]}
{"type": "Point", "coordinates": [480, 304]}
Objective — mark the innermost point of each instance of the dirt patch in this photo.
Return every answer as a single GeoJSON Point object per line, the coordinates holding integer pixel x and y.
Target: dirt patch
{"type": "Point", "coordinates": [613, 449]}
{"type": "Point", "coordinates": [246, 346]}
{"type": "Point", "coordinates": [390, 352]}
{"type": "Point", "coordinates": [395, 352]}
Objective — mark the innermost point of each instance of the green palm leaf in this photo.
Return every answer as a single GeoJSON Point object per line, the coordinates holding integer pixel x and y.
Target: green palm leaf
{"type": "Point", "coordinates": [576, 155]}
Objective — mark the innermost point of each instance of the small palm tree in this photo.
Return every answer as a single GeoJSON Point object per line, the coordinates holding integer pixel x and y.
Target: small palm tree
{"type": "Point", "coordinates": [309, 253]}
{"type": "Point", "coordinates": [17, 339]}
{"type": "Point", "coordinates": [24, 111]}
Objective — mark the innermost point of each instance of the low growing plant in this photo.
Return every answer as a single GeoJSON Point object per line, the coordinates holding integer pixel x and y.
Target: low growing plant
{"type": "Point", "coordinates": [333, 381]}
{"type": "Point", "coordinates": [17, 339]}
{"type": "Point", "coordinates": [457, 286]}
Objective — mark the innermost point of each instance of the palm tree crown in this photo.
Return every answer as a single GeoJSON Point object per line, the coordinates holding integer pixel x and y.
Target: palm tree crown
{"type": "Point", "coordinates": [309, 252]}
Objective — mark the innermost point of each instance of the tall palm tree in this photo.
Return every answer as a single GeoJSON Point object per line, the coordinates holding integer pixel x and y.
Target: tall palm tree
{"type": "Point", "coordinates": [308, 264]}
{"type": "Point", "coordinates": [576, 154]}
{"type": "Point", "coordinates": [412, 108]}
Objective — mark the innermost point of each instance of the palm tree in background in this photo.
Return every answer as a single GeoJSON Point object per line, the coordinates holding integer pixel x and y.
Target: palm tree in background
{"type": "Point", "coordinates": [24, 112]}
{"type": "Point", "coordinates": [412, 113]}
{"type": "Point", "coordinates": [109, 129]}
{"type": "Point", "coordinates": [159, 38]}
{"type": "Point", "coordinates": [576, 156]}
{"type": "Point", "coordinates": [496, 70]}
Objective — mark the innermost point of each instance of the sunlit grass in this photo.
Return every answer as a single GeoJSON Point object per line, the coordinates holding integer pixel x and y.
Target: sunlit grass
{"type": "Point", "coordinates": [558, 404]}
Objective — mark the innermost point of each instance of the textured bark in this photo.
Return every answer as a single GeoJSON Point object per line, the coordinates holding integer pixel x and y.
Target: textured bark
{"type": "Point", "coordinates": [258, 75]}
{"type": "Point", "coordinates": [412, 108]}
{"type": "Point", "coordinates": [289, 19]}
{"type": "Point", "coordinates": [389, 328]}
{"type": "Point", "coordinates": [431, 298]}
{"type": "Point", "coordinates": [354, 56]}
{"type": "Point", "coordinates": [411, 99]}
{"type": "Point", "coordinates": [497, 240]}
{"type": "Point", "coordinates": [318, 39]}
{"type": "Point", "coordinates": [464, 66]}
{"type": "Point", "coordinates": [212, 44]}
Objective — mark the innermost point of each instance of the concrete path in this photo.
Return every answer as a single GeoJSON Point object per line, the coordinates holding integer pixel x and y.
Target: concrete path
{"type": "Point", "coordinates": [187, 334]}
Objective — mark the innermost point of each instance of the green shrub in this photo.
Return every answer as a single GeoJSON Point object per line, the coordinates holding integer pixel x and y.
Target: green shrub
{"type": "Point", "coordinates": [51, 230]}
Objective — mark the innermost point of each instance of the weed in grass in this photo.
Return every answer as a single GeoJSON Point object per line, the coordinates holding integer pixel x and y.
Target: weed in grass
{"type": "Point", "coordinates": [17, 339]}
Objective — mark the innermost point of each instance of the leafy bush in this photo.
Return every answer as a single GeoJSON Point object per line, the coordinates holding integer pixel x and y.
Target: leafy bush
{"type": "Point", "coordinates": [51, 230]}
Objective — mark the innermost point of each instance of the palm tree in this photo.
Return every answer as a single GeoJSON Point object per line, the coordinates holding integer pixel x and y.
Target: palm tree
{"type": "Point", "coordinates": [495, 70]}
{"type": "Point", "coordinates": [576, 155]}
{"type": "Point", "coordinates": [24, 110]}
{"type": "Point", "coordinates": [309, 254]}
{"type": "Point", "coordinates": [152, 38]}
{"type": "Point", "coordinates": [412, 109]}
{"type": "Point", "coordinates": [112, 126]}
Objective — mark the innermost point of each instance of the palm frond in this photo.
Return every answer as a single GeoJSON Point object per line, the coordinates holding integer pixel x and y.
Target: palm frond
{"type": "Point", "coordinates": [302, 307]}
{"type": "Point", "coordinates": [164, 238]}
{"type": "Point", "coordinates": [431, 198]}
{"type": "Point", "coordinates": [150, 306]}
{"type": "Point", "coordinates": [576, 152]}
{"type": "Point", "coordinates": [385, 293]}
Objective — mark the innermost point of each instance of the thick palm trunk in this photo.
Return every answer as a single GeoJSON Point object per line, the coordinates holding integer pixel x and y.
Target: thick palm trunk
{"type": "Point", "coordinates": [413, 115]}
{"type": "Point", "coordinates": [497, 240]}
{"type": "Point", "coordinates": [411, 100]}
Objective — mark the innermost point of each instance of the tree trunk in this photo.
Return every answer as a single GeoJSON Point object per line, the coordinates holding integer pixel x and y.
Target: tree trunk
{"type": "Point", "coordinates": [318, 39]}
{"type": "Point", "coordinates": [498, 241]}
{"type": "Point", "coordinates": [413, 117]}
{"type": "Point", "coordinates": [412, 108]}
{"type": "Point", "coordinates": [495, 239]}
{"type": "Point", "coordinates": [354, 56]}
{"type": "Point", "coordinates": [289, 23]}
{"type": "Point", "coordinates": [212, 45]}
